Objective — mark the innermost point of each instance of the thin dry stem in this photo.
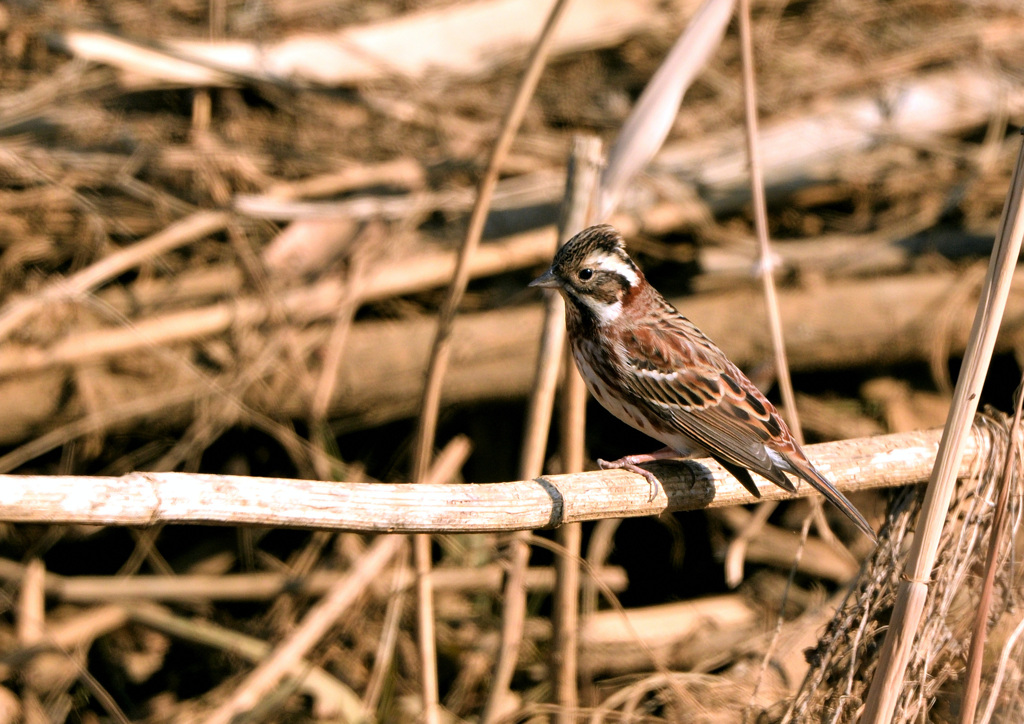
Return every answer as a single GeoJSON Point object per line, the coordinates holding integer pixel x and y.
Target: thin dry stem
{"type": "Point", "coordinates": [972, 675]}
{"type": "Point", "coordinates": [766, 259]}
{"type": "Point", "coordinates": [425, 636]}
{"type": "Point", "coordinates": [441, 351]}
{"type": "Point", "coordinates": [385, 647]}
{"type": "Point", "coordinates": [997, 682]}
{"type": "Point", "coordinates": [769, 653]}
{"type": "Point", "coordinates": [330, 694]}
{"type": "Point", "coordinates": [443, 468]}
{"type": "Point", "coordinates": [263, 586]}
{"type": "Point", "coordinates": [584, 167]}
{"type": "Point", "coordinates": [442, 341]}
{"type": "Point", "coordinates": [186, 231]}
{"type": "Point", "coordinates": [886, 685]}
{"type": "Point", "coordinates": [766, 262]}
{"type": "Point", "coordinates": [343, 321]}
{"type": "Point", "coordinates": [580, 184]}
{"type": "Point", "coordinates": [310, 631]}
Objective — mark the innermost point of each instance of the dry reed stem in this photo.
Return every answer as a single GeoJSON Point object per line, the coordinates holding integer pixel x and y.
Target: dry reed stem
{"type": "Point", "coordinates": [581, 184]}
{"type": "Point", "coordinates": [769, 652]}
{"type": "Point", "coordinates": [444, 467]}
{"type": "Point", "coordinates": [288, 655]}
{"type": "Point", "coordinates": [195, 227]}
{"type": "Point", "coordinates": [306, 303]}
{"type": "Point", "coordinates": [579, 189]}
{"type": "Point", "coordinates": [766, 264]}
{"type": "Point", "coordinates": [766, 259]}
{"type": "Point", "coordinates": [997, 681]}
{"type": "Point", "coordinates": [531, 464]}
{"type": "Point", "coordinates": [737, 553]}
{"type": "Point", "coordinates": [469, 39]}
{"type": "Point", "coordinates": [331, 697]}
{"type": "Point", "coordinates": [264, 586]}
{"type": "Point", "coordinates": [887, 683]}
{"type": "Point", "coordinates": [30, 626]}
{"type": "Point", "coordinates": [972, 675]}
{"type": "Point", "coordinates": [513, 616]}
{"type": "Point", "coordinates": [542, 393]}
{"type": "Point", "coordinates": [144, 499]}
{"type": "Point", "coordinates": [401, 172]}
{"type": "Point", "coordinates": [384, 657]}
{"type": "Point", "coordinates": [441, 352]}
{"type": "Point", "coordinates": [654, 113]}
{"type": "Point", "coordinates": [425, 636]}
{"type": "Point", "coordinates": [572, 442]}
{"type": "Point", "coordinates": [370, 238]}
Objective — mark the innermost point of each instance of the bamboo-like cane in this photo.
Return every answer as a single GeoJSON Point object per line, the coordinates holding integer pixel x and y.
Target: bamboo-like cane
{"type": "Point", "coordinates": [146, 499]}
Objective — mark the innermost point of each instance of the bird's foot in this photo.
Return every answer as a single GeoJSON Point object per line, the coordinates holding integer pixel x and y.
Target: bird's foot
{"type": "Point", "coordinates": [632, 463]}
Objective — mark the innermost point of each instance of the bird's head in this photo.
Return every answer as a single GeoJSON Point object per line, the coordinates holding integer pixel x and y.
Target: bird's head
{"type": "Point", "coordinates": [594, 273]}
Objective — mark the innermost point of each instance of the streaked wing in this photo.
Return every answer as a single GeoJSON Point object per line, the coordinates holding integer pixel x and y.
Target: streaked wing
{"type": "Point", "coordinates": [672, 369]}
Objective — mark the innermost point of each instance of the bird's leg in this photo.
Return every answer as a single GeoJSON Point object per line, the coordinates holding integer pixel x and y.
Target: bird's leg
{"type": "Point", "coordinates": [632, 463]}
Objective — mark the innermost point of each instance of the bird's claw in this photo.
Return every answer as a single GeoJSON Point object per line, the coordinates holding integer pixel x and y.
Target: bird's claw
{"type": "Point", "coordinates": [626, 464]}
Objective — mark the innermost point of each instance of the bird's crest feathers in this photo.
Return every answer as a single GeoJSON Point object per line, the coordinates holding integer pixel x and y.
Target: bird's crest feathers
{"type": "Point", "coordinates": [595, 274]}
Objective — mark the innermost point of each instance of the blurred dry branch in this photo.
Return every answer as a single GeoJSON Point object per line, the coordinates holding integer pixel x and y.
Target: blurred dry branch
{"type": "Point", "coordinates": [256, 586]}
{"type": "Point", "coordinates": [384, 361]}
{"type": "Point", "coordinates": [470, 39]}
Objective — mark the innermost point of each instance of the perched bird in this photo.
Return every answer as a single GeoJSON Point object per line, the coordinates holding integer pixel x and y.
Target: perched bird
{"type": "Point", "coordinates": [652, 368]}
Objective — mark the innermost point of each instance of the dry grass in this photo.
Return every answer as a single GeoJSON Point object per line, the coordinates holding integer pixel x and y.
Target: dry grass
{"type": "Point", "coordinates": [244, 278]}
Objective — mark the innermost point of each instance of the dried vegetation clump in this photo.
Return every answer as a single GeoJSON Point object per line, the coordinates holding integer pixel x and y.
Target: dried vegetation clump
{"type": "Point", "coordinates": [224, 237]}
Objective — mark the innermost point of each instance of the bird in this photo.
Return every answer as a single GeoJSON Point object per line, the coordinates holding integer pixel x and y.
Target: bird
{"type": "Point", "coordinates": [652, 368]}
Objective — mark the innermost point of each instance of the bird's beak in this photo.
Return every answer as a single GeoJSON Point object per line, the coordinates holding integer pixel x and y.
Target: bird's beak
{"type": "Point", "coordinates": [548, 280]}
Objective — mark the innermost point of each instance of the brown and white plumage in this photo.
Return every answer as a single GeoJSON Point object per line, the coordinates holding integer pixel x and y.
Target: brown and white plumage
{"type": "Point", "coordinates": [653, 369]}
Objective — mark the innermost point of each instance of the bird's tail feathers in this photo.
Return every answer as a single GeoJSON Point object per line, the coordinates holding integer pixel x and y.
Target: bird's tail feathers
{"type": "Point", "coordinates": [820, 483]}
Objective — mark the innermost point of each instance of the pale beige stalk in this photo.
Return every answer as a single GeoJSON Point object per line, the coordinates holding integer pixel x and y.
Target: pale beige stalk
{"type": "Point", "coordinates": [647, 127]}
{"type": "Point", "coordinates": [886, 685]}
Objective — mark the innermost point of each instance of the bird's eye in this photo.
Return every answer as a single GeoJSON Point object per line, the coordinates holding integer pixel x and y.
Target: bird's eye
{"type": "Point", "coordinates": [585, 274]}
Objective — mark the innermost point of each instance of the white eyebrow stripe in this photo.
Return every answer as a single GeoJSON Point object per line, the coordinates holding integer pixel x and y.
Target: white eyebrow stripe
{"type": "Point", "coordinates": [616, 265]}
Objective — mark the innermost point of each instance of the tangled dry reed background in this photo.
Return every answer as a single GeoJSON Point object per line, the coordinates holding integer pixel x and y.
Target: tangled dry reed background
{"type": "Point", "coordinates": [235, 265]}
